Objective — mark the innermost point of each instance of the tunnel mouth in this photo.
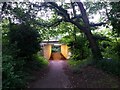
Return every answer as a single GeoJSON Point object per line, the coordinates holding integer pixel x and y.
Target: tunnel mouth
{"type": "Point", "coordinates": [57, 56]}
{"type": "Point", "coordinates": [54, 50]}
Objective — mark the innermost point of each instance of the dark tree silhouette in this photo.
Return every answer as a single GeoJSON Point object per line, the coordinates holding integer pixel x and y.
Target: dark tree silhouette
{"type": "Point", "coordinates": [85, 27]}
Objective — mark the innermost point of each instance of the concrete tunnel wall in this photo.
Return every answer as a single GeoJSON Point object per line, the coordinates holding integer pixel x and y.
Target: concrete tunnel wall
{"type": "Point", "coordinates": [64, 51]}
{"type": "Point", "coordinates": [47, 51]}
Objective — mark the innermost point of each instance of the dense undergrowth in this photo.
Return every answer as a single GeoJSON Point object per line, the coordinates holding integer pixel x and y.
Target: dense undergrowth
{"type": "Point", "coordinates": [16, 71]}
{"type": "Point", "coordinates": [20, 55]}
{"type": "Point", "coordinates": [111, 66]}
{"type": "Point", "coordinates": [111, 56]}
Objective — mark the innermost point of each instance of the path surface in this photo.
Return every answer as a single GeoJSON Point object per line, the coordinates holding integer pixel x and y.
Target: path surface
{"type": "Point", "coordinates": [56, 78]}
{"type": "Point", "coordinates": [60, 75]}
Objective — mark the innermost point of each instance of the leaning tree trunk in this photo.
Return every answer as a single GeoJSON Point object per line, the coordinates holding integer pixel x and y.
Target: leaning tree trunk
{"type": "Point", "coordinates": [93, 44]}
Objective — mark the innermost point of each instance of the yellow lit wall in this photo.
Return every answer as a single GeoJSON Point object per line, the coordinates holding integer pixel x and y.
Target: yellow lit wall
{"type": "Point", "coordinates": [47, 51]}
{"type": "Point", "coordinates": [56, 56]}
{"type": "Point", "coordinates": [64, 50]}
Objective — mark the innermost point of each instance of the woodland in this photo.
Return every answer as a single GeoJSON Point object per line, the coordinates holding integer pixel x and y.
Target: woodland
{"type": "Point", "coordinates": [92, 41]}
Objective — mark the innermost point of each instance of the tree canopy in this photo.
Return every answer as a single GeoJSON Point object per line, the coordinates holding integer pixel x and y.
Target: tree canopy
{"type": "Point", "coordinates": [90, 29]}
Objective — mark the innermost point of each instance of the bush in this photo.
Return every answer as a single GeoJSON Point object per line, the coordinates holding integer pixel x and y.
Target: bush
{"type": "Point", "coordinates": [116, 47]}
{"type": "Point", "coordinates": [111, 48]}
{"type": "Point", "coordinates": [16, 71]}
{"type": "Point", "coordinates": [77, 65]}
{"type": "Point", "coordinates": [12, 76]}
{"type": "Point", "coordinates": [37, 62]}
{"type": "Point", "coordinates": [12, 68]}
{"type": "Point", "coordinates": [19, 49]}
{"type": "Point", "coordinates": [79, 47]}
{"type": "Point", "coordinates": [40, 60]}
{"type": "Point", "coordinates": [110, 65]}
{"type": "Point", "coordinates": [25, 38]}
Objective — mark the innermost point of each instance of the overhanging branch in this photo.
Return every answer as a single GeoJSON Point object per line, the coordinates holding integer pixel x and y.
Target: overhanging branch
{"type": "Point", "coordinates": [62, 12]}
{"type": "Point", "coordinates": [77, 16]}
{"type": "Point", "coordinates": [53, 24]}
{"type": "Point", "coordinates": [78, 25]}
{"type": "Point", "coordinates": [97, 24]}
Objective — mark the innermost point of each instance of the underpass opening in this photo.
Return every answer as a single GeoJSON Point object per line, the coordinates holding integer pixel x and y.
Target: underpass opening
{"type": "Point", "coordinates": [53, 50]}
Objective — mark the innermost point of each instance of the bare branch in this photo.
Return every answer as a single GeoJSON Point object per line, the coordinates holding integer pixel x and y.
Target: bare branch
{"type": "Point", "coordinates": [4, 6]}
{"type": "Point", "coordinates": [77, 16]}
{"type": "Point", "coordinates": [97, 24]}
{"type": "Point", "coordinates": [78, 25]}
{"type": "Point", "coordinates": [53, 24]}
{"type": "Point", "coordinates": [100, 38]}
{"type": "Point", "coordinates": [73, 7]}
{"type": "Point", "coordinates": [62, 12]}
{"type": "Point", "coordinates": [84, 14]}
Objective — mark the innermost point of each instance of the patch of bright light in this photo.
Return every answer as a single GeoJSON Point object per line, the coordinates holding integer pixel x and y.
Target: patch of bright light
{"type": "Point", "coordinates": [95, 18]}
{"type": "Point", "coordinates": [57, 44]}
{"type": "Point", "coordinates": [67, 1]}
{"type": "Point", "coordinates": [44, 15]}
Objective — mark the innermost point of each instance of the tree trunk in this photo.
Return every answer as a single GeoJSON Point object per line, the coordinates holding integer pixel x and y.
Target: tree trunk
{"type": "Point", "coordinates": [94, 46]}
{"type": "Point", "coordinates": [92, 42]}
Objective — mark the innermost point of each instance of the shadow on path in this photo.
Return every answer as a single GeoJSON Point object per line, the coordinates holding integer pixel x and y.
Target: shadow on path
{"type": "Point", "coordinates": [56, 78]}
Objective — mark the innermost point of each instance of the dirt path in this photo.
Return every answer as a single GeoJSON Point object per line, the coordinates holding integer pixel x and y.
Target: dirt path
{"type": "Point", "coordinates": [55, 78]}
{"type": "Point", "coordinates": [60, 75]}
{"type": "Point", "coordinates": [91, 77]}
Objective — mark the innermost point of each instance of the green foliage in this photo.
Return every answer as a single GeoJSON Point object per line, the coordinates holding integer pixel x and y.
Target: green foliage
{"type": "Point", "coordinates": [66, 39]}
{"type": "Point", "coordinates": [12, 68]}
{"type": "Point", "coordinates": [77, 65]}
{"type": "Point", "coordinates": [110, 48]}
{"type": "Point", "coordinates": [40, 60]}
{"type": "Point", "coordinates": [20, 46]}
{"type": "Point", "coordinates": [110, 65]}
{"type": "Point", "coordinates": [116, 47]}
{"type": "Point", "coordinates": [26, 39]}
{"type": "Point", "coordinates": [37, 62]}
{"type": "Point", "coordinates": [65, 28]}
{"type": "Point", "coordinates": [114, 17]}
{"type": "Point", "coordinates": [56, 49]}
{"type": "Point", "coordinates": [79, 47]}
{"type": "Point", "coordinates": [13, 75]}
{"type": "Point", "coordinates": [16, 70]}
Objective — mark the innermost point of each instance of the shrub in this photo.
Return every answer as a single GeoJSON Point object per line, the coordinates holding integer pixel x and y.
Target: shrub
{"type": "Point", "coordinates": [110, 65]}
{"type": "Point", "coordinates": [116, 47]}
{"type": "Point", "coordinates": [16, 69]}
{"type": "Point", "coordinates": [20, 44]}
{"type": "Point", "coordinates": [12, 77]}
{"type": "Point", "coordinates": [79, 47]}
{"type": "Point", "coordinates": [110, 48]}
{"type": "Point", "coordinates": [26, 39]}
{"type": "Point", "coordinates": [40, 60]}
{"type": "Point", "coordinates": [37, 62]}
{"type": "Point", "coordinates": [76, 65]}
